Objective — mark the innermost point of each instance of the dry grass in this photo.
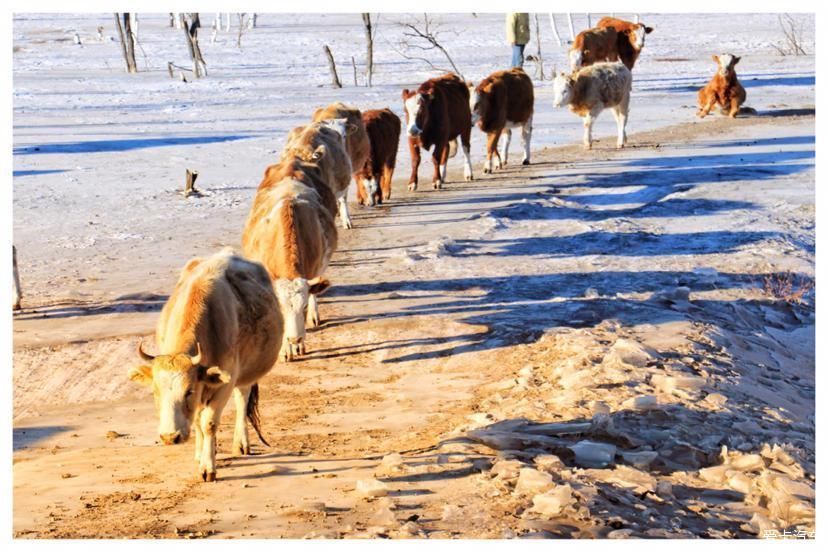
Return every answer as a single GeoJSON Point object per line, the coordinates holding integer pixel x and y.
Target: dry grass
{"type": "Point", "coordinates": [787, 286]}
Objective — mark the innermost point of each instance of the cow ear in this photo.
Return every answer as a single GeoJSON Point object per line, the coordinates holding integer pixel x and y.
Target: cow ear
{"type": "Point", "coordinates": [320, 287]}
{"type": "Point", "coordinates": [141, 374]}
{"type": "Point", "coordinates": [470, 84]}
{"type": "Point", "coordinates": [350, 128]}
{"type": "Point", "coordinates": [716, 58]}
{"type": "Point", "coordinates": [405, 93]}
{"type": "Point", "coordinates": [736, 59]}
{"type": "Point", "coordinates": [213, 376]}
{"type": "Point", "coordinates": [319, 152]}
{"type": "Point", "coordinates": [648, 30]}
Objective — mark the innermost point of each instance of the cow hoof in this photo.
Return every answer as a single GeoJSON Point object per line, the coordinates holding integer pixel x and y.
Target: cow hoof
{"type": "Point", "coordinates": [487, 170]}
{"type": "Point", "coordinates": [209, 477]}
{"type": "Point", "coordinates": [241, 450]}
{"type": "Point", "coordinates": [437, 185]}
{"type": "Point", "coordinates": [412, 186]}
{"type": "Point", "coordinates": [525, 162]}
{"type": "Point", "coordinates": [469, 178]}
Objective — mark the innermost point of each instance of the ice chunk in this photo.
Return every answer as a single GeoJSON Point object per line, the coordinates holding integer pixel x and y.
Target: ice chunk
{"type": "Point", "coordinates": [549, 463]}
{"type": "Point", "coordinates": [593, 455]}
{"type": "Point", "coordinates": [393, 460]}
{"type": "Point", "coordinates": [531, 481]}
{"type": "Point", "coordinates": [383, 517]}
{"type": "Point", "coordinates": [371, 487]}
{"type": "Point", "coordinates": [552, 502]}
{"type": "Point", "coordinates": [506, 470]}
{"type": "Point", "coordinates": [740, 482]}
{"type": "Point", "coordinates": [641, 459]}
{"type": "Point", "coordinates": [706, 275]}
{"type": "Point", "coordinates": [641, 402]}
{"type": "Point", "coordinates": [747, 462]}
{"type": "Point", "coordinates": [452, 513]}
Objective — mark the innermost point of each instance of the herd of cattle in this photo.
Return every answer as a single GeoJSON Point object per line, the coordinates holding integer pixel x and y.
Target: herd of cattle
{"type": "Point", "coordinates": [231, 317]}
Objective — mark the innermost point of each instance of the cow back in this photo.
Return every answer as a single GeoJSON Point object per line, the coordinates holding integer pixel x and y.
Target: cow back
{"type": "Point", "coordinates": [449, 111]}
{"type": "Point", "coordinates": [383, 128]}
{"type": "Point", "coordinates": [505, 96]}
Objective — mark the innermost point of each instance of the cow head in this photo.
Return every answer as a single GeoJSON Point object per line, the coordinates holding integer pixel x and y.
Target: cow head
{"type": "Point", "coordinates": [178, 382]}
{"type": "Point", "coordinates": [340, 126]}
{"type": "Point", "coordinates": [416, 111]}
{"type": "Point", "coordinates": [562, 89]}
{"type": "Point", "coordinates": [727, 64]}
{"type": "Point", "coordinates": [637, 35]}
{"type": "Point", "coordinates": [476, 103]}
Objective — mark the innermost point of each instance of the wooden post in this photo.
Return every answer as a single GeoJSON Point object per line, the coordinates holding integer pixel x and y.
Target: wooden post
{"type": "Point", "coordinates": [589, 21]}
{"type": "Point", "coordinates": [189, 184]}
{"type": "Point", "coordinates": [571, 27]}
{"type": "Point", "coordinates": [126, 45]}
{"type": "Point", "coordinates": [369, 41]}
{"type": "Point", "coordinates": [17, 293]}
{"type": "Point", "coordinates": [170, 69]}
{"type": "Point", "coordinates": [191, 33]}
{"type": "Point", "coordinates": [332, 67]}
{"type": "Point", "coordinates": [555, 29]}
{"type": "Point", "coordinates": [538, 38]}
{"type": "Point", "coordinates": [353, 62]}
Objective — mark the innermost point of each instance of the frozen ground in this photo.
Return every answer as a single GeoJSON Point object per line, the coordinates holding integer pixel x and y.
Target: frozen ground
{"type": "Point", "coordinates": [584, 347]}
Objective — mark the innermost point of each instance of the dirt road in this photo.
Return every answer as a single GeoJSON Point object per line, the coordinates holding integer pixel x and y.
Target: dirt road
{"type": "Point", "coordinates": [601, 344]}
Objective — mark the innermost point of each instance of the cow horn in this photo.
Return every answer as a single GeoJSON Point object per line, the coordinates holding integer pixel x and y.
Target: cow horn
{"type": "Point", "coordinates": [196, 360]}
{"type": "Point", "coordinates": [142, 354]}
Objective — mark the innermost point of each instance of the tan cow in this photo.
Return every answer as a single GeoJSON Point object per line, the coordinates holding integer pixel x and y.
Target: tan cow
{"type": "Point", "coordinates": [592, 89]}
{"type": "Point", "coordinates": [218, 334]}
{"type": "Point", "coordinates": [291, 231]}
{"type": "Point", "coordinates": [305, 142]}
{"type": "Point", "coordinates": [723, 89]}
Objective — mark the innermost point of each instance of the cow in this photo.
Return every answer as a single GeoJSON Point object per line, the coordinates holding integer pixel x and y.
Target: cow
{"type": "Point", "coordinates": [357, 143]}
{"type": "Point", "coordinates": [374, 178]}
{"type": "Point", "coordinates": [723, 89]}
{"type": "Point", "coordinates": [219, 333]}
{"type": "Point", "coordinates": [291, 231]}
{"type": "Point", "coordinates": [502, 101]}
{"type": "Point", "coordinates": [611, 40]}
{"type": "Point", "coordinates": [436, 114]}
{"type": "Point", "coordinates": [16, 277]}
{"type": "Point", "coordinates": [305, 142]}
{"type": "Point", "coordinates": [592, 89]}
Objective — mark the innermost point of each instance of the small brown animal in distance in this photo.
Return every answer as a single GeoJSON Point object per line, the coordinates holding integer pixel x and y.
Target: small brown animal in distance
{"type": "Point", "coordinates": [723, 89]}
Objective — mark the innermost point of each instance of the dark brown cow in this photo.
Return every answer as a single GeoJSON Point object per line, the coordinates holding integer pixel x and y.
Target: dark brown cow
{"type": "Point", "coordinates": [502, 101]}
{"type": "Point", "coordinates": [374, 178]}
{"type": "Point", "coordinates": [612, 40]}
{"type": "Point", "coordinates": [435, 114]}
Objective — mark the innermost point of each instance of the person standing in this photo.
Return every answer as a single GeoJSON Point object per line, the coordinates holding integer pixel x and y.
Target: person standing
{"type": "Point", "coordinates": [517, 34]}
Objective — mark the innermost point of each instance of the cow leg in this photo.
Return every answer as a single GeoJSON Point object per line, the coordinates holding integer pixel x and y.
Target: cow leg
{"type": "Point", "coordinates": [440, 153]}
{"type": "Point", "coordinates": [506, 143]}
{"type": "Point", "coordinates": [360, 189]}
{"type": "Point", "coordinates": [343, 210]}
{"type": "Point", "coordinates": [199, 437]}
{"type": "Point", "coordinates": [465, 141]}
{"type": "Point", "coordinates": [492, 139]}
{"type": "Point", "coordinates": [312, 318]}
{"type": "Point", "coordinates": [414, 148]}
{"type": "Point", "coordinates": [526, 139]}
{"type": "Point", "coordinates": [241, 442]}
{"type": "Point", "coordinates": [209, 420]}
{"type": "Point", "coordinates": [385, 183]}
{"type": "Point", "coordinates": [621, 122]}
{"type": "Point", "coordinates": [734, 110]}
{"type": "Point", "coordinates": [588, 131]}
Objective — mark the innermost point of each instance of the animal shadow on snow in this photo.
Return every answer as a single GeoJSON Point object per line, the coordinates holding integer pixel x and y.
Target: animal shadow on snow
{"type": "Point", "coordinates": [27, 437]}
{"type": "Point", "coordinates": [134, 302]}
{"type": "Point", "coordinates": [110, 146]}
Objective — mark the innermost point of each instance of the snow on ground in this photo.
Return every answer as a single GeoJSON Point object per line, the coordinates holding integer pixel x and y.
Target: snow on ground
{"type": "Point", "coordinates": [584, 347]}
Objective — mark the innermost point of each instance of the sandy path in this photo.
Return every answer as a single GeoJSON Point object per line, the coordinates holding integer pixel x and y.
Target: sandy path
{"type": "Point", "coordinates": [551, 293]}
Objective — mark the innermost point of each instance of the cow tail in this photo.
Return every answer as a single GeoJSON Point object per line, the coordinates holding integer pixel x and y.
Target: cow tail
{"type": "Point", "coordinates": [453, 148]}
{"type": "Point", "coordinates": [253, 412]}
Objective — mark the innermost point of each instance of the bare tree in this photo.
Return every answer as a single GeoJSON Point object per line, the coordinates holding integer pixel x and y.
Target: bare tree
{"type": "Point", "coordinates": [369, 57]}
{"type": "Point", "coordinates": [538, 38]}
{"type": "Point", "coordinates": [127, 42]}
{"type": "Point", "coordinates": [792, 32]}
{"type": "Point", "coordinates": [332, 66]}
{"type": "Point", "coordinates": [423, 36]}
{"type": "Point", "coordinates": [241, 29]}
{"type": "Point", "coordinates": [18, 295]}
{"type": "Point", "coordinates": [191, 32]}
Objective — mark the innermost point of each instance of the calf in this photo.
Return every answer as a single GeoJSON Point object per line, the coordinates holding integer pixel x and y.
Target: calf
{"type": "Point", "coordinates": [723, 89]}
{"type": "Point", "coordinates": [374, 178]}
{"type": "Point", "coordinates": [324, 143]}
{"type": "Point", "coordinates": [435, 114]}
{"type": "Point", "coordinates": [592, 89]}
{"type": "Point", "coordinates": [218, 334]}
{"type": "Point", "coordinates": [612, 40]}
{"type": "Point", "coordinates": [291, 231]}
{"type": "Point", "coordinates": [502, 101]}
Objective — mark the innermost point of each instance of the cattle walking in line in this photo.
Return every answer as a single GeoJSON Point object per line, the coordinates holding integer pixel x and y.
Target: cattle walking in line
{"type": "Point", "coordinates": [17, 293]}
{"type": "Point", "coordinates": [219, 333]}
{"type": "Point", "coordinates": [291, 231]}
{"type": "Point", "coordinates": [723, 89]}
{"type": "Point", "coordinates": [502, 101]}
{"type": "Point", "coordinates": [324, 143]}
{"type": "Point", "coordinates": [435, 115]}
{"type": "Point", "coordinates": [356, 141]}
{"type": "Point", "coordinates": [611, 40]}
{"type": "Point", "coordinates": [592, 89]}
{"type": "Point", "coordinates": [374, 178]}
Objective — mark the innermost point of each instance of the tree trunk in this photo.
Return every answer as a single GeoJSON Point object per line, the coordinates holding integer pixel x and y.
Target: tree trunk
{"type": "Point", "coordinates": [369, 57]}
{"type": "Point", "coordinates": [191, 33]}
{"type": "Point", "coordinates": [189, 183]}
{"type": "Point", "coordinates": [538, 38]}
{"type": "Point", "coordinates": [571, 27]}
{"type": "Point", "coordinates": [555, 29]}
{"type": "Point", "coordinates": [353, 63]}
{"type": "Point", "coordinates": [332, 66]}
{"type": "Point", "coordinates": [18, 295]}
{"type": "Point", "coordinates": [172, 20]}
{"type": "Point", "coordinates": [127, 48]}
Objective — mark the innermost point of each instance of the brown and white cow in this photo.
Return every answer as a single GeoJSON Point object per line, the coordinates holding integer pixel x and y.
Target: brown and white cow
{"type": "Point", "coordinates": [723, 89]}
{"type": "Point", "coordinates": [219, 333]}
{"type": "Point", "coordinates": [502, 101]}
{"type": "Point", "coordinates": [612, 40]}
{"type": "Point", "coordinates": [435, 115]}
{"type": "Point", "coordinates": [592, 89]}
{"type": "Point", "coordinates": [374, 178]}
{"type": "Point", "coordinates": [331, 135]}
{"type": "Point", "coordinates": [291, 231]}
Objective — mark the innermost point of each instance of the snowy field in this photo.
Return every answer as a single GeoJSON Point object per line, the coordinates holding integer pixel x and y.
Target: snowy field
{"type": "Point", "coordinates": [600, 345]}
